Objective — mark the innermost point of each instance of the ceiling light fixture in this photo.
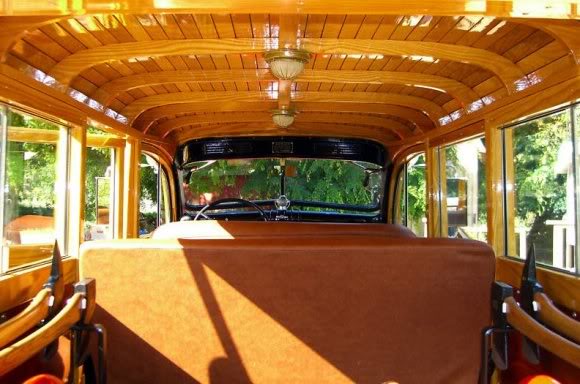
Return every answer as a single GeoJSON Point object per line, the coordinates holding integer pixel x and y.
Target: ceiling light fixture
{"type": "Point", "coordinates": [284, 117]}
{"type": "Point", "coordinates": [287, 64]}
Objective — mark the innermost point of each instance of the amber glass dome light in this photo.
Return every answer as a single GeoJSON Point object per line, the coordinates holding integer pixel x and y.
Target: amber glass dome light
{"type": "Point", "coordinates": [287, 64]}
{"type": "Point", "coordinates": [283, 118]}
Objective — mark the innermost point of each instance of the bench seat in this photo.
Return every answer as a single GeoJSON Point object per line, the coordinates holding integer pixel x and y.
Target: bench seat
{"type": "Point", "coordinates": [332, 309]}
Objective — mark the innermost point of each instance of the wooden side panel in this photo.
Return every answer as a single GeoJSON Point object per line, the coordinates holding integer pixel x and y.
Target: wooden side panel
{"type": "Point", "coordinates": [19, 287]}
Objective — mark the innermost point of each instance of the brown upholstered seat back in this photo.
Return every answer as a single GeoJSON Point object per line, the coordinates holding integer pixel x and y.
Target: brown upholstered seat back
{"type": "Point", "coordinates": [314, 310]}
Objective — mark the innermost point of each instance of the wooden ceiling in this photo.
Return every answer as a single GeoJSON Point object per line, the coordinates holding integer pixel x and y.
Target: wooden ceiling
{"type": "Point", "coordinates": [388, 77]}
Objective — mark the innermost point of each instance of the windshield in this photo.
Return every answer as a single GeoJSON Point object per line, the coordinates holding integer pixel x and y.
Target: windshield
{"type": "Point", "coordinates": [339, 182]}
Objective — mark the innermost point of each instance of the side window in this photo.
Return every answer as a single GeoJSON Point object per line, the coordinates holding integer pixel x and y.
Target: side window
{"type": "Point", "coordinates": [413, 195]}
{"type": "Point", "coordinates": [31, 190]}
{"type": "Point", "coordinates": [154, 203]}
{"type": "Point", "coordinates": [466, 189]}
{"type": "Point", "coordinates": [100, 187]}
{"type": "Point", "coordinates": [541, 171]}
{"type": "Point", "coordinates": [401, 197]}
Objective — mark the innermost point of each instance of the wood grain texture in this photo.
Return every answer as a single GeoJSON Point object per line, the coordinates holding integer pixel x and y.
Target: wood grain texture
{"type": "Point", "coordinates": [562, 288]}
{"type": "Point", "coordinates": [77, 163]}
{"type": "Point", "coordinates": [22, 254]}
{"type": "Point", "coordinates": [133, 110]}
{"type": "Point", "coordinates": [497, 8]}
{"type": "Point", "coordinates": [494, 188]}
{"type": "Point", "coordinates": [288, 33]}
{"type": "Point", "coordinates": [21, 286]}
{"type": "Point", "coordinates": [131, 188]}
{"type": "Point", "coordinates": [166, 128]}
{"type": "Point", "coordinates": [19, 89]}
{"type": "Point", "coordinates": [561, 88]}
{"type": "Point", "coordinates": [464, 95]}
{"type": "Point", "coordinates": [70, 67]}
{"type": "Point", "coordinates": [148, 119]}
{"type": "Point", "coordinates": [556, 319]}
{"type": "Point", "coordinates": [565, 31]}
{"type": "Point", "coordinates": [25, 320]}
{"type": "Point", "coordinates": [545, 338]}
{"type": "Point", "coordinates": [17, 353]}
{"type": "Point", "coordinates": [297, 129]}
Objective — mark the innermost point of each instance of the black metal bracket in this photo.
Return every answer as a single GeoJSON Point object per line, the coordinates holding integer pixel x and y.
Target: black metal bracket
{"type": "Point", "coordinates": [487, 363]}
{"type": "Point", "coordinates": [495, 338]}
{"type": "Point", "coordinates": [80, 353]}
{"type": "Point", "coordinates": [528, 288]}
{"type": "Point", "coordinates": [499, 350]}
{"type": "Point", "coordinates": [82, 333]}
{"type": "Point", "coordinates": [55, 283]}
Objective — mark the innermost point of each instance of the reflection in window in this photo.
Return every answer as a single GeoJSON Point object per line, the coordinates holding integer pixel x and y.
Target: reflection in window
{"type": "Point", "coordinates": [154, 208]}
{"type": "Point", "coordinates": [401, 195]}
{"type": "Point", "coordinates": [415, 199]}
{"type": "Point", "coordinates": [29, 189]}
{"type": "Point", "coordinates": [466, 189]}
{"type": "Point", "coordinates": [99, 199]}
{"type": "Point", "coordinates": [543, 177]}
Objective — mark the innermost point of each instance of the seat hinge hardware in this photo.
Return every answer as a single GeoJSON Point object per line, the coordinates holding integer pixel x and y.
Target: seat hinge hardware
{"type": "Point", "coordinates": [494, 339]}
{"type": "Point", "coordinates": [499, 350]}
{"type": "Point", "coordinates": [82, 334]}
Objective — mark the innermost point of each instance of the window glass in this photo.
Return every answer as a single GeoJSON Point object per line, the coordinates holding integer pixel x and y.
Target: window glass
{"type": "Point", "coordinates": [401, 195]}
{"type": "Point", "coordinates": [164, 201]}
{"type": "Point", "coordinates": [99, 199]}
{"type": "Point", "coordinates": [543, 178]}
{"type": "Point", "coordinates": [417, 195]}
{"type": "Point", "coordinates": [576, 125]}
{"type": "Point", "coordinates": [466, 189]}
{"type": "Point", "coordinates": [30, 182]}
{"type": "Point", "coordinates": [154, 204]}
{"type": "Point", "coordinates": [301, 180]}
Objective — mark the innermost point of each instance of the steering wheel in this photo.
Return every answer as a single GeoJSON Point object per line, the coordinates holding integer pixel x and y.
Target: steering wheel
{"type": "Point", "coordinates": [218, 202]}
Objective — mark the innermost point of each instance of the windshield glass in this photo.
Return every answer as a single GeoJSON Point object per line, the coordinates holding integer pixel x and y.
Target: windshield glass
{"type": "Point", "coordinates": [341, 182]}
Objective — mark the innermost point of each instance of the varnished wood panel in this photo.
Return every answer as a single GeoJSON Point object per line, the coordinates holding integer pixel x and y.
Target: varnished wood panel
{"type": "Point", "coordinates": [140, 106]}
{"type": "Point", "coordinates": [25, 348]}
{"type": "Point", "coordinates": [66, 70]}
{"type": "Point", "coordinates": [544, 337]}
{"type": "Point", "coordinates": [551, 315]}
{"type": "Point", "coordinates": [461, 92]}
{"type": "Point", "coordinates": [23, 254]}
{"type": "Point", "coordinates": [563, 288]}
{"type": "Point", "coordinates": [28, 318]}
{"type": "Point", "coordinates": [416, 118]}
{"type": "Point", "coordinates": [20, 286]}
{"type": "Point", "coordinates": [498, 8]}
{"type": "Point", "coordinates": [169, 126]}
{"type": "Point", "coordinates": [297, 129]}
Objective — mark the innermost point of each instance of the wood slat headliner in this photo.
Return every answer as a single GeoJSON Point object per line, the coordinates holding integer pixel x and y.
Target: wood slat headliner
{"type": "Point", "coordinates": [520, 49]}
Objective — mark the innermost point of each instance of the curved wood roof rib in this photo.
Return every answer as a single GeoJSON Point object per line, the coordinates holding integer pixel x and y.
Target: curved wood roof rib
{"type": "Point", "coordinates": [565, 31]}
{"type": "Point", "coordinates": [418, 118]}
{"type": "Point", "coordinates": [155, 68]}
{"type": "Point", "coordinates": [139, 106]}
{"type": "Point", "coordinates": [148, 120]}
{"type": "Point", "coordinates": [464, 95]}
{"type": "Point", "coordinates": [166, 128]}
{"type": "Point", "coordinates": [330, 129]}
{"type": "Point", "coordinates": [71, 66]}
